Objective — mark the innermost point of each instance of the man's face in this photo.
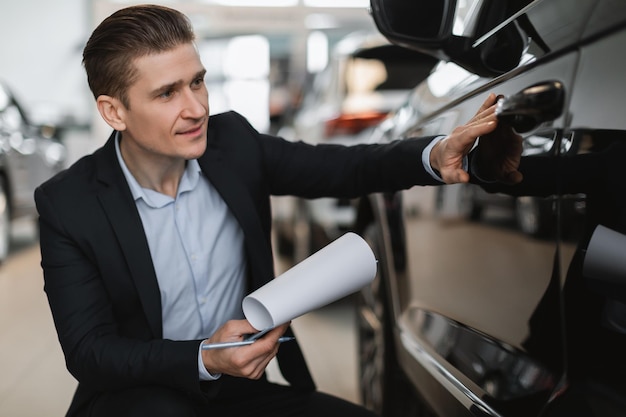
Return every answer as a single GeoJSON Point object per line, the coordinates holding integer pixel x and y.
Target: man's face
{"type": "Point", "coordinates": [168, 107]}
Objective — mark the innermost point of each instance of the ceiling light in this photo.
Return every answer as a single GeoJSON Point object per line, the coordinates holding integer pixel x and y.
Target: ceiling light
{"type": "Point", "coordinates": [337, 3]}
{"type": "Point", "coordinates": [256, 3]}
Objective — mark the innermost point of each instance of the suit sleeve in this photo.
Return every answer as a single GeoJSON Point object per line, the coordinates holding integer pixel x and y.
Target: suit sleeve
{"type": "Point", "coordinates": [326, 170]}
{"type": "Point", "coordinates": [337, 171]}
{"type": "Point", "coordinates": [96, 352]}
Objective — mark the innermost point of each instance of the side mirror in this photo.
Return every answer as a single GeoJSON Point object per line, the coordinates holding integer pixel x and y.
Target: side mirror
{"type": "Point", "coordinates": [415, 24]}
{"type": "Point", "coordinates": [469, 33]}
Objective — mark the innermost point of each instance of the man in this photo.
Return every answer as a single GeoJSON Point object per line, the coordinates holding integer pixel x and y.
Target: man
{"type": "Point", "coordinates": [150, 244]}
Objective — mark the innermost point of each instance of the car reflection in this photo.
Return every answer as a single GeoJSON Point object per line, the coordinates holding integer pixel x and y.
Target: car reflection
{"type": "Point", "coordinates": [504, 373]}
{"type": "Point", "coordinates": [535, 216]}
{"type": "Point", "coordinates": [591, 167]}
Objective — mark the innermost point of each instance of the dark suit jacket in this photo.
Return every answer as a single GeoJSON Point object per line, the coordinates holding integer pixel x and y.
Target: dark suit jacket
{"type": "Point", "coordinates": [98, 271]}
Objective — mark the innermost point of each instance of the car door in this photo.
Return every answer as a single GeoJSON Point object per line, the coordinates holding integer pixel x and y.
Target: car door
{"type": "Point", "coordinates": [484, 297]}
{"type": "Point", "coordinates": [485, 274]}
{"type": "Point", "coordinates": [594, 151]}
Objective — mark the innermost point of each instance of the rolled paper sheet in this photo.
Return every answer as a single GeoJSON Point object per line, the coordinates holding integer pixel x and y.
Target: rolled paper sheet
{"type": "Point", "coordinates": [605, 259]}
{"type": "Point", "coordinates": [342, 267]}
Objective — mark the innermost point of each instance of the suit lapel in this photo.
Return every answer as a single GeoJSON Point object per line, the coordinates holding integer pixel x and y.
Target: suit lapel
{"type": "Point", "coordinates": [239, 201]}
{"type": "Point", "coordinates": [120, 208]}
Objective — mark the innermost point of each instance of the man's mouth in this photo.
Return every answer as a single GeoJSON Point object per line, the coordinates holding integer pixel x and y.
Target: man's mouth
{"type": "Point", "coordinates": [192, 130]}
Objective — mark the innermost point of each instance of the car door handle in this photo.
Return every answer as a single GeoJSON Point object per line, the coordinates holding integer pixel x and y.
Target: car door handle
{"type": "Point", "coordinates": [534, 105]}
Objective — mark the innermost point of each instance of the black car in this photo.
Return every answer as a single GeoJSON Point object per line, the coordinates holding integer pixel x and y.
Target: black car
{"type": "Point", "coordinates": [469, 315]}
{"type": "Point", "coordinates": [29, 155]}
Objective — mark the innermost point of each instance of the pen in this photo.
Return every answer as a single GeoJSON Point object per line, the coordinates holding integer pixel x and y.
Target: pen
{"type": "Point", "coordinates": [222, 345]}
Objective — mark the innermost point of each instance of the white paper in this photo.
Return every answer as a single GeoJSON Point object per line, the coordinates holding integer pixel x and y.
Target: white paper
{"type": "Point", "coordinates": [342, 267]}
{"type": "Point", "coordinates": [605, 259]}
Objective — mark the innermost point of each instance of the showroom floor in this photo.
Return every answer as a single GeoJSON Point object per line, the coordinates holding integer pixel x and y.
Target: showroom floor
{"type": "Point", "coordinates": [34, 382]}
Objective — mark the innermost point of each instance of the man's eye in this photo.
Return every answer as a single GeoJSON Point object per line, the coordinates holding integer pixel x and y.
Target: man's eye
{"type": "Point", "coordinates": [166, 94]}
{"type": "Point", "coordinates": [198, 82]}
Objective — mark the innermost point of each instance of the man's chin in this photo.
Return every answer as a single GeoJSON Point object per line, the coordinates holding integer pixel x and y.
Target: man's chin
{"type": "Point", "coordinates": [198, 150]}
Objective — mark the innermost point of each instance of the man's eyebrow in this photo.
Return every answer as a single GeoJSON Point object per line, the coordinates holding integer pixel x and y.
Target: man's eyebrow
{"type": "Point", "coordinates": [167, 87]}
{"type": "Point", "coordinates": [175, 84]}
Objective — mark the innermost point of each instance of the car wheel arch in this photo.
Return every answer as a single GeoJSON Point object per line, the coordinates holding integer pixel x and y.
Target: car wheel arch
{"type": "Point", "coordinates": [384, 386]}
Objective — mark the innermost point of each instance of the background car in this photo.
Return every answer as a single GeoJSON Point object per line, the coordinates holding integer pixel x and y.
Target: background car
{"type": "Point", "coordinates": [29, 155]}
{"type": "Point", "coordinates": [477, 318]}
{"type": "Point", "coordinates": [365, 79]}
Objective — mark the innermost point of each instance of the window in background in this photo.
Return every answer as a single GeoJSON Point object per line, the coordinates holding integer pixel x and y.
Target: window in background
{"type": "Point", "coordinates": [317, 52]}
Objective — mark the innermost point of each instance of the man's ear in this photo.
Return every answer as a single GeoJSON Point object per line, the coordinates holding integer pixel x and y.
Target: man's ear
{"type": "Point", "coordinates": [112, 111]}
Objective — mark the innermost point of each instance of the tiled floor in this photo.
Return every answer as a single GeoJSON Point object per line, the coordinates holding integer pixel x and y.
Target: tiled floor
{"type": "Point", "coordinates": [33, 379]}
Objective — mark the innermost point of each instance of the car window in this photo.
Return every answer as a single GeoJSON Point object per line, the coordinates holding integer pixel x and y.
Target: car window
{"type": "Point", "coordinates": [535, 23]}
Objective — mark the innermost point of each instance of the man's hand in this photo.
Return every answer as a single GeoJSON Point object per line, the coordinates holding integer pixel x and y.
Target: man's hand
{"type": "Point", "coordinates": [498, 156]}
{"type": "Point", "coordinates": [247, 361]}
{"type": "Point", "coordinates": [447, 155]}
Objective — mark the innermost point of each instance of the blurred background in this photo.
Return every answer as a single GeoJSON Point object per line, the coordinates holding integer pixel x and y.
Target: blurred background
{"type": "Point", "coordinates": [271, 60]}
{"type": "Point", "coordinates": [259, 54]}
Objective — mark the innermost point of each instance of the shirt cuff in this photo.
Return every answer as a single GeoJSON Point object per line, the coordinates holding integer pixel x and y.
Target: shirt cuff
{"type": "Point", "coordinates": [202, 371]}
{"type": "Point", "coordinates": [426, 159]}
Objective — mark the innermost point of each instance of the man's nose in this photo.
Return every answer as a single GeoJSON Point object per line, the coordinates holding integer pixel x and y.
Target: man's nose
{"type": "Point", "coordinates": [194, 105]}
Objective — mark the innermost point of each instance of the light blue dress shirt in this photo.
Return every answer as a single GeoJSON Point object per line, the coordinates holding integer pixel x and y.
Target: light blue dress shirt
{"type": "Point", "coordinates": [197, 251]}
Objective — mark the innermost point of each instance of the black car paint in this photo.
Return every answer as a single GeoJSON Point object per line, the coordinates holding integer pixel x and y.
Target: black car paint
{"type": "Point", "coordinates": [507, 325]}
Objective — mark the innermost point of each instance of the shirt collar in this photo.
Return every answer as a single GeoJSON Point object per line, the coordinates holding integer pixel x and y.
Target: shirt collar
{"type": "Point", "coordinates": [188, 182]}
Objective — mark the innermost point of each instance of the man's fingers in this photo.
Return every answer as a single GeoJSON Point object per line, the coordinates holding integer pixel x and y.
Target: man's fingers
{"type": "Point", "coordinates": [454, 175]}
{"type": "Point", "coordinates": [489, 102]}
{"type": "Point", "coordinates": [460, 176]}
{"type": "Point", "coordinates": [472, 132]}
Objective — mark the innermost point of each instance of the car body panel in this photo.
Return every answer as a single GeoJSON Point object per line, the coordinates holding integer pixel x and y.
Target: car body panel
{"type": "Point", "coordinates": [505, 309]}
{"type": "Point", "coordinates": [488, 320]}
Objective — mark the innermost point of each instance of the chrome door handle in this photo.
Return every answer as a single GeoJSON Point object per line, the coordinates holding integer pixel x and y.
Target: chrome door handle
{"type": "Point", "coordinates": [532, 106]}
